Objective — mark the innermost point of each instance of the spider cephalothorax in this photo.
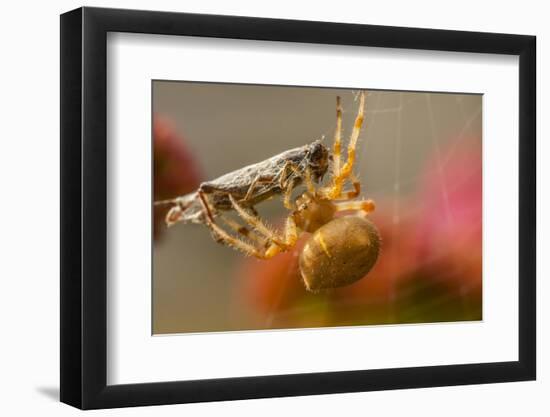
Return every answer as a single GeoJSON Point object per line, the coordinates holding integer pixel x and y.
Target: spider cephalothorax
{"type": "Point", "coordinates": [312, 212]}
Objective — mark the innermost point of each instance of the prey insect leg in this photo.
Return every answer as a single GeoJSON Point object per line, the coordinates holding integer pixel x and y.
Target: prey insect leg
{"type": "Point", "coordinates": [179, 205]}
{"type": "Point", "coordinates": [287, 183]}
{"type": "Point", "coordinates": [257, 181]}
{"type": "Point", "coordinates": [287, 197]}
{"type": "Point", "coordinates": [309, 182]}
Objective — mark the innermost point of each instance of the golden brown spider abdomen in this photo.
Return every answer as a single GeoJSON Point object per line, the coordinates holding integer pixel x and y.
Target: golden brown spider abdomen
{"type": "Point", "coordinates": [339, 253]}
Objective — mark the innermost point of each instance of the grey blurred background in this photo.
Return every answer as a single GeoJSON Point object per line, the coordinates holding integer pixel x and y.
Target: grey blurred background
{"type": "Point", "coordinates": [227, 126]}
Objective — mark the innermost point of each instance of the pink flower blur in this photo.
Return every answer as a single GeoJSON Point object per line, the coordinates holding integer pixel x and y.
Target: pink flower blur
{"type": "Point", "coordinates": [175, 172]}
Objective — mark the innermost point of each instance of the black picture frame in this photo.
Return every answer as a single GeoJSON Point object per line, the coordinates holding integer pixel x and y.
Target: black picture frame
{"type": "Point", "coordinates": [84, 207]}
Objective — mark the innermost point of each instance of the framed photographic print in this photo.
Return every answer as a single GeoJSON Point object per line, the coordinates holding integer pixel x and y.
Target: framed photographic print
{"type": "Point", "coordinates": [257, 208]}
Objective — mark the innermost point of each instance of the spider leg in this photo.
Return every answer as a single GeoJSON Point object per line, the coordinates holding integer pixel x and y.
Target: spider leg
{"type": "Point", "coordinates": [334, 191]}
{"type": "Point", "coordinates": [337, 146]}
{"type": "Point", "coordinates": [291, 236]}
{"type": "Point", "coordinates": [242, 230]}
{"type": "Point", "coordinates": [364, 206]}
{"type": "Point", "coordinates": [346, 169]}
{"type": "Point", "coordinates": [351, 194]}
{"type": "Point", "coordinates": [221, 236]}
{"type": "Point", "coordinates": [256, 223]}
{"type": "Point", "coordinates": [287, 197]}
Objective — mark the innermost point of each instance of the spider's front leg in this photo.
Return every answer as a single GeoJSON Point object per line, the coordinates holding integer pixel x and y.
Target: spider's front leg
{"type": "Point", "coordinates": [342, 173]}
{"type": "Point", "coordinates": [337, 146]}
{"type": "Point", "coordinates": [285, 242]}
{"type": "Point", "coordinates": [363, 207]}
{"type": "Point", "coordinates": [259, 249]}
{"type": "Point", "coordinates": [290, 238]}
{"type": "Point", "coordinates": [243, 231]}
{"type": "Point", "coordinates": [222, 236]}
